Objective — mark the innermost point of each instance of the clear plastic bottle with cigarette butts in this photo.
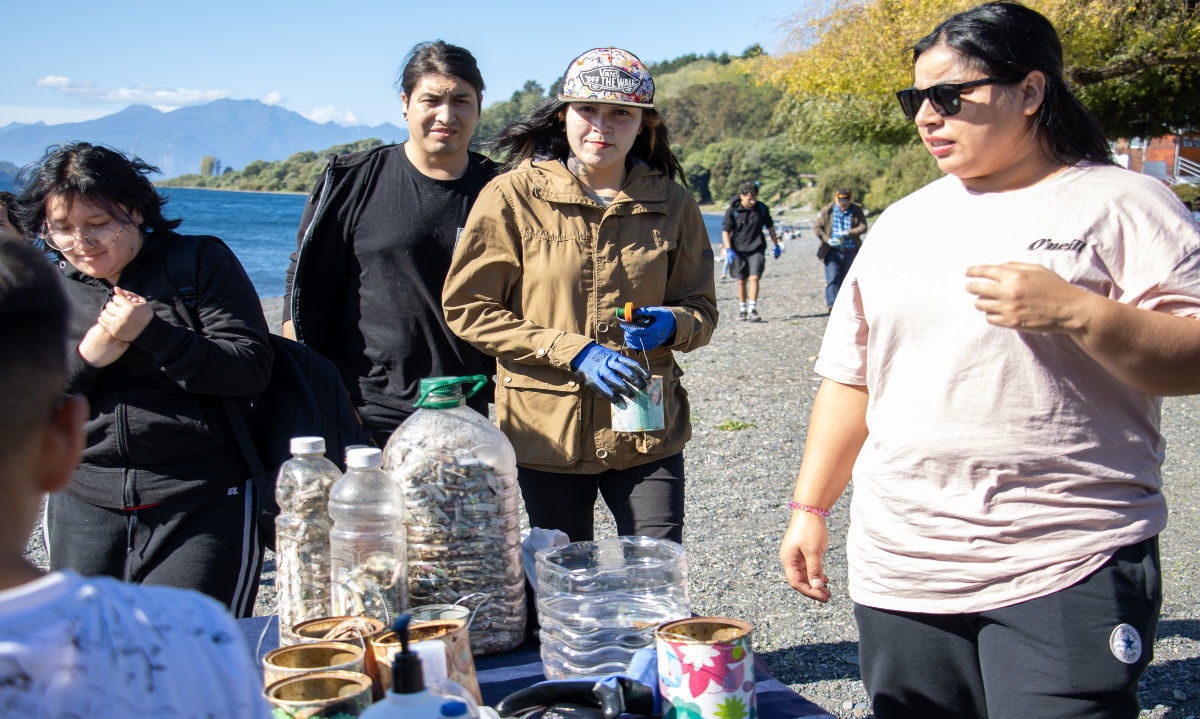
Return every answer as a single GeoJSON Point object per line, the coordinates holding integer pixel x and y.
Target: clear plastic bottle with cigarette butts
{"type": "Point", "coordinates": [302, 535]}
{"type": "Point", "coordinates": [458, 475]}
{"type": "Point", "coordinates": [366, 543]}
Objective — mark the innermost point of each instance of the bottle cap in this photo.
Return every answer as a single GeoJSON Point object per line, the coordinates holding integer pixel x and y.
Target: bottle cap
{"type": "Point", "coordinates": [365, 458]}
{"type": "Point", "coordinates": [307, 445]}
{"type": "Point", "coordinates": [454, 708]}
{"type": "Point", "coordinates": [433, 658]}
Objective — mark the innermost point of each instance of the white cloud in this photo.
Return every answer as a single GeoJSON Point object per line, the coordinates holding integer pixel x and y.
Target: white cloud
{"type": "Point", "coordinates": [330, 113]}
{"type": "Point", "coordinates": [273, 97]}
{"type": "Point", "coordinates": [162, 98]}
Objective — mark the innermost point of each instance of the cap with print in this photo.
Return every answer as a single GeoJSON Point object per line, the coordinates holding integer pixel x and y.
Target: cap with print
{"type": "Point", "coordinates": [608, 75]}
{"type": "Point", "coordinates": [843, 193]}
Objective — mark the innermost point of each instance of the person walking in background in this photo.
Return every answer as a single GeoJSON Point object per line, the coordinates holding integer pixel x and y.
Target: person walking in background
{"type": "Point", "coordinates": [745, 248]}
{"type": "Point", "coordinates": [163, 494]}
{"type": "Point", "coordinates": [996, 402]}
{"type": "Point", "coordinates": [8, 220]}
{"type": "Point", "coordinates": [587, 218]}
{"type": "Point", "coordinates": [839, 226]}
{"type": "Point", "coordinates": [74, 646]}
{"type": "Point", "coordinates": [364, 285]}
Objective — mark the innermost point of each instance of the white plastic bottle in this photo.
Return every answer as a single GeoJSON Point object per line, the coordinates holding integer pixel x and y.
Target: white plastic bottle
{"type": "Point", "coordinates": [366, 543]}
{"type": "Point", "coordinates": [408, 698]}
{"type": "Point", "coordinates": [302, 535]}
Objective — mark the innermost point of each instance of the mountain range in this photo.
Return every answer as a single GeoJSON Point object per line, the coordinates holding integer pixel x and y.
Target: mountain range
{"type": "Point", "coordinates": [235, 132]}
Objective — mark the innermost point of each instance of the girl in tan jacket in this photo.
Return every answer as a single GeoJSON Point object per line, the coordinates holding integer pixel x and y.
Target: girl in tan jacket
{"type": "Point", "coordinates": [588, 218]}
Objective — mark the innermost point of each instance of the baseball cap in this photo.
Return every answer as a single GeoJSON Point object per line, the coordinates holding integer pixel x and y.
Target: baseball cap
{"type": "Point", "coordinates": [843, 192]}
{"type": "Point", "coordinates": [609, 75]}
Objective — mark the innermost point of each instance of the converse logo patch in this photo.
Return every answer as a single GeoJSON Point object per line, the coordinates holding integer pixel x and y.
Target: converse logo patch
{"type": "Point", "coordinates": [1125, 643]}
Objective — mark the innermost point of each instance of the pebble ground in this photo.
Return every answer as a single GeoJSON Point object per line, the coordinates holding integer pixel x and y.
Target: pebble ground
{"type": "Point", "coordinates": [751, 390]}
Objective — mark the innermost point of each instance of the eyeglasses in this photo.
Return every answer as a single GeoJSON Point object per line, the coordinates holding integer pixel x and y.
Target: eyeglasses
{"type": "Point", "coordinates": [102, 237]}
{"type": "Point", "coordinates": [945, 99]}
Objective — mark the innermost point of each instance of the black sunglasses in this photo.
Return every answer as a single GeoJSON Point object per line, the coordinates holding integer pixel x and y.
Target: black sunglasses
{"type": "Point", "coordinates": [945, 99]}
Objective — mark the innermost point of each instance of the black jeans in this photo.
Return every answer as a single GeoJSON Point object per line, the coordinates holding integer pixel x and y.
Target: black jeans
{"type": "Point", "coordinates": [1075, 653]}
{"type": "Point", "coordinates": [646, 500]}
{"type": "Point", "coordinates": [208, 544]}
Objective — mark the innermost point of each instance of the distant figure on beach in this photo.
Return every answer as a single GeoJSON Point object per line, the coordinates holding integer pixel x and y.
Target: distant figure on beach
{"type": "Point", "coordinates": [993, 376]}
{"type": "Point", "coordinates": [8, 220]}
{"type": "Point", "coordinates": [365, 283]}
{"type": "Point", "coordinates": [839, 226]}
{"type": "Point", "coordinates": [76, 646]}
{"type": "Point", "coordinates": [163, 494]}
{"type": "Point", "coordinates": [745, 248]}
{"type": "Point", "coordinates": [588, 217]}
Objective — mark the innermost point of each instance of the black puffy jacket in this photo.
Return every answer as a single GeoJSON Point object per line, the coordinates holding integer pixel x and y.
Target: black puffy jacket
{"type": "Point", "coordinates": [156, 429]}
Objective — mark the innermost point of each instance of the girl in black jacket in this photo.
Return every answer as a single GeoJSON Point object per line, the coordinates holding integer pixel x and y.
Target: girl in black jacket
{"type": "Point", "coordinates": [162, 494]}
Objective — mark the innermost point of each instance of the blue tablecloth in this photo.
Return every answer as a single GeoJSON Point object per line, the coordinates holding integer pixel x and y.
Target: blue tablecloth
{"type": "Point", "coordinates": [503, 674]}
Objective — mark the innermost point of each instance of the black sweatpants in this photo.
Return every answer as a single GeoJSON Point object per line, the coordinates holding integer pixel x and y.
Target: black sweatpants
{"type": "Point", "coordinates": [209, 544]}
{"type": "Point", "coordinates": [646, 500]}
{"type": "Point", "coordinates": [1076, 653]}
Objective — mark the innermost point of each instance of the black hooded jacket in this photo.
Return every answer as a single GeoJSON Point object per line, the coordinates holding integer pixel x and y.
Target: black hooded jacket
{"type": "Point", "coordinates": [156, 429]}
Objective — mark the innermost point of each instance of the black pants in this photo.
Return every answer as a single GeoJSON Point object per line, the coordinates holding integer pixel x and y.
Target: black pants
{"type": "Point", "coordinates": [1076, 653]}
{"type": "Point", "coordinates": [210, 545]}
{"type": "Point", "coordinates": [645, 500]}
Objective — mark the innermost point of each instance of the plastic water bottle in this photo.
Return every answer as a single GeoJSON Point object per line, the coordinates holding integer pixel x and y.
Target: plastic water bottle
{"type": "Point", "coordinates": [366, 543]}
{"type": "Point", "coordinates": [599, 602]}
{"type": "Point", "coordinates": [458, 475]}
{"type": "Point", "coordinates": [433, 666]}
{"type": "Point", "coordinates": [302, 579]}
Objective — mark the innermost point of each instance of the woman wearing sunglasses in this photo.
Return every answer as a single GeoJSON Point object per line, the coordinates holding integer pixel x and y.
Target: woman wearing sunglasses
{"type": "Point", "coordinates": [162, 494]}
{"type": "Point", "coordinates": [993, 371]}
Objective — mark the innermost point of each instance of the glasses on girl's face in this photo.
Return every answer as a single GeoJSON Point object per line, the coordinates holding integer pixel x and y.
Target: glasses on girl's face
{"type": "Point", "coordinates": [102, 237]}
{"type": "Point", "coordinates": [945, 99]}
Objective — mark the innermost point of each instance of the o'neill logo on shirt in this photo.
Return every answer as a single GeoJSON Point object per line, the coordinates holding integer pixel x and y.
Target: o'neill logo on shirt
{"type": "Point", "coordinates": [1049, 245]}
{"type": "Point", "coordinates": [609, 79]}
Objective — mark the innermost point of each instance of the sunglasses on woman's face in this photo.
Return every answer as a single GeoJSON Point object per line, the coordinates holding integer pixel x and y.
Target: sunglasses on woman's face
{"type": "Point", "coordinates": [945, 99]}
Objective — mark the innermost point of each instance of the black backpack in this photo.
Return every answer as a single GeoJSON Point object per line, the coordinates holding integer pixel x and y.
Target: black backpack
{"type": "Point", "coordinates": [305, 397]}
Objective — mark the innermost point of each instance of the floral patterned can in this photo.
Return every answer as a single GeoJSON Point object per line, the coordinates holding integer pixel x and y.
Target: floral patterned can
{"type": "Point", "coordinates": [706, 669]}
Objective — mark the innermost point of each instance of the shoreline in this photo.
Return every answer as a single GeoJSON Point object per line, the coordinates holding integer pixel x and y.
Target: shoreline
{"type": "Point", "coordinates": [226, 189]}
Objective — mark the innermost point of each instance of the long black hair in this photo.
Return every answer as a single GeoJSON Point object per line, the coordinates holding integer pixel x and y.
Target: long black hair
{"type": "Point", "coordinates": [101, 175]}
{"type": "Point", "coordinates": [439, 58]}
{"type": "Point", "coordinates": [1007, 41]}
{"type": "Point", "coordinates": [542, 136]}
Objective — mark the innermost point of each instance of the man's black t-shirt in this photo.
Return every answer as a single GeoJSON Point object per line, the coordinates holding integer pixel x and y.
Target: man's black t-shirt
{"type": "Point", "coordinates": [392, 332]}
{"type": "Point", "coordinates": [745, 226]}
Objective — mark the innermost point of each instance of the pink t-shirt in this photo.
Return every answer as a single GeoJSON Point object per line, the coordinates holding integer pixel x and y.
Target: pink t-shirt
{"type": "Point", "coordinates": [1001, 465]}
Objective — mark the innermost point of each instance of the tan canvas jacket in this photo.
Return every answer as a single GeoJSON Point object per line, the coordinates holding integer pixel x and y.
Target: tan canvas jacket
{"type": "Point", "coordinates": [538, 273]}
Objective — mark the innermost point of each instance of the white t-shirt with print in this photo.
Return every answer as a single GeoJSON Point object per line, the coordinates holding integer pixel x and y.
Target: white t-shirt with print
{"type": "Point", "coordinates": [1001, 465]}
{"type": "Point", "coordinates": [96, 647]}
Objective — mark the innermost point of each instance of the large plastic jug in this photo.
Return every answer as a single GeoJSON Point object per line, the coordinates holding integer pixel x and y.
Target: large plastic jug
{"type": "Point", "coordinates": [599, 602]}
{"type": "Point", "coordinates": [458, 476]}
{"type": "Point", "coordinates": [302, 580]}
{"type": "Point", "coordinates": [366, 543]}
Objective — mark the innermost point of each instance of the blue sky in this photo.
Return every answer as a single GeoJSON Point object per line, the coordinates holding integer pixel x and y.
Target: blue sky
{"type": "Point", "coordinates": [331, 61]}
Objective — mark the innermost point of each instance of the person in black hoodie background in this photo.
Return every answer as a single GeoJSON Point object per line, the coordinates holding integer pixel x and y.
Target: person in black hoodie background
{"type": "Point", "coordinates": [745, 248]}
{"type": "Point", "coordinates": [364, 287]}
{"type": "Point", "coordinates": [162, 495]}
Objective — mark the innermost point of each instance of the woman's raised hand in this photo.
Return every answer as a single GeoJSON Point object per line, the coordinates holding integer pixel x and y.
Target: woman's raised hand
{"type": "Point", "coordinates": [125, 315]}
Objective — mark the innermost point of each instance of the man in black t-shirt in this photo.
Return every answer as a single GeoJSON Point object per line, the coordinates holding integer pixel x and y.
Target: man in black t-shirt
{"type": "Point", "coordinates": [364, 286]}
{"type": "Point", "coordinates": [745, 249]}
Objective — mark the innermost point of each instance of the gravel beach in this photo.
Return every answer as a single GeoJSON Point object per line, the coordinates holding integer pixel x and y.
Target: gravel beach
{"type": "Point", "coordinates": [752, 389]}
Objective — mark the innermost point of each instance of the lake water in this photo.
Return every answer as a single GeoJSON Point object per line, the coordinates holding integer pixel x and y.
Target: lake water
{"type": "Point", "coordinates": [260, 227]}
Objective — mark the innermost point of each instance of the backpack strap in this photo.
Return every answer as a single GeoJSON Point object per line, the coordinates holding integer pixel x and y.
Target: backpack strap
{"type": "Point", "coordinates": [183, 262]}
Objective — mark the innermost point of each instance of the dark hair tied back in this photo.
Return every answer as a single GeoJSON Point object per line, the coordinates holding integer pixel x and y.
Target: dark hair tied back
{"type": "Point", "coordinates": [98, 174]}
{"type": "Point", "coordinates": [1007, 41]}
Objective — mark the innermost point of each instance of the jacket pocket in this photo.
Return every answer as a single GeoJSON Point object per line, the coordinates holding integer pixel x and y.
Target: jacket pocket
{"type": "Point", "coordinates": [539, 410]}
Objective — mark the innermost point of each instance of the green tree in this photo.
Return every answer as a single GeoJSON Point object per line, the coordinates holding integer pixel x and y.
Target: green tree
{"type": "Point", "coordinates": [206, 166]}
{"type": "Point", "coordinates": [502, 114]}
{"type": "Point", "coordinates": [1135, 64]}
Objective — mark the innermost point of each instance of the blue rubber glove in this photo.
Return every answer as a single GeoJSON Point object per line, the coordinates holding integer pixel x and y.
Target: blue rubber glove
{"type": "Point", "coordinates": [651, 334]}
{"type": "Point", "coordinates": [609, 374]}
{"type": "Point", "coordinates": [728, 255]}
{"type": "Point", "coordinates": [778, 251]}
